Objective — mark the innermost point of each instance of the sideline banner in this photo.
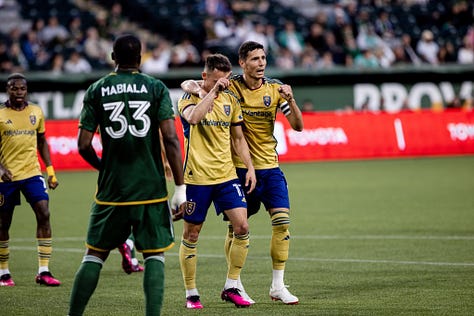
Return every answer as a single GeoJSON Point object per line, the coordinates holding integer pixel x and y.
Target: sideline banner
{"type": "Point", "coordinates": [326, 136]}
{"type": "Point", "coordinates": [356, 135]}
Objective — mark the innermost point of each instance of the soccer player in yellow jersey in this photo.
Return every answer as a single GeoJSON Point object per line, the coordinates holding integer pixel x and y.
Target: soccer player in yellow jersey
{"type": "Point", "coordinates": [212, 129]}
{"type": "Point", "coordinates": [260, 98]}
{"type": "Point", "coordinates": [22, 137]}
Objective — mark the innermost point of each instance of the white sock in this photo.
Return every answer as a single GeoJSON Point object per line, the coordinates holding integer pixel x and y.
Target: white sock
{"type": "Point", "coordinates": [240, 286]}
{"type": "Point", "coordinates": [230, 283]}
{"type": "Point", "coordinates": [4, 271]}
{"type": "Point", "coordinates": [277, 281]}
{"type": "Point", "coordinates": [43, 269]}
{"type": "Point", "coordinates": [192, 292]}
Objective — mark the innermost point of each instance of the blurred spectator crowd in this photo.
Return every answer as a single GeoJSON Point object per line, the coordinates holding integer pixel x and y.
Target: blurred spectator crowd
{"type": "Point", "coordinates": [61, 36]}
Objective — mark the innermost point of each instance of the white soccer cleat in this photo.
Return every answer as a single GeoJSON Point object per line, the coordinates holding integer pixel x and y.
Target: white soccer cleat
{"type": "Point", "coordinates": [283, 295]}
{"type": "Point", "coordinates": [246, 296]}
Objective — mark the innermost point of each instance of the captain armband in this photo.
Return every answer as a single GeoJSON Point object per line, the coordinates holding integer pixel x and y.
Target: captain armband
{"type": "Point", "coordinates": [285, 108]}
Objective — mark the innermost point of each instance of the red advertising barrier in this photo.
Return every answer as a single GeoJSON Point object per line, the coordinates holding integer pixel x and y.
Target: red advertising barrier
{"type": "Point", "coordinates": [328, 135]}
{"type": "Point", "coordinates": [371, 135]}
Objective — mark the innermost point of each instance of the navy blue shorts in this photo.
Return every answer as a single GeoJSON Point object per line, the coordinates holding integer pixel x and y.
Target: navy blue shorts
{"type": "Point", "coordinates": [34, 190]}
{"type": "Point", "coordinates": [226, 196]}
{"type": "Point", "coordinates": [271, 190]}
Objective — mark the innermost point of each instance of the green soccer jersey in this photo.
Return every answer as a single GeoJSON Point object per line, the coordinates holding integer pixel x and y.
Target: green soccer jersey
{"type": "Point", "coordinates": [259, 108]}
{"type": "Point", "coordinates": [208, 143]}
{"type": "Point", "coordinates": [126, 108]}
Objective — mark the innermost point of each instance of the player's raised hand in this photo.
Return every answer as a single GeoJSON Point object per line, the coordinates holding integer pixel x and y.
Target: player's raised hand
{"type": "Point", "coordinates": [286, 92]}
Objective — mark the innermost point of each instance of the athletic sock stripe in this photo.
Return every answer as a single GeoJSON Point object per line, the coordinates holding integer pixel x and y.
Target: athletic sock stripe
{"type": "Point", "coordinates": [242, 237]}
{"type": "Point", "coordinates": [188, 244]}
{"type": "Point", "coordinates": [156, 257]}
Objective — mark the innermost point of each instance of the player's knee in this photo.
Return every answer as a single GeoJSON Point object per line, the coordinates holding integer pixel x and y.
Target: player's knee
{"type": "Point", "coordinates": [191, 236]}
{"type": "Point", "coordinates": [241, 228]}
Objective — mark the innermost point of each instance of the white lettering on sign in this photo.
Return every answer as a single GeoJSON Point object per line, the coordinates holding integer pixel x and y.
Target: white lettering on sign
{"type": "Point", "coordinates": [320, 136]}
{"type": "Point", "coordinates": [394, 97]}
{"type": "Point", "coordinates": [399, 134]}
{"type": "Point", "coordinates": [461, 131]}
{"type": "Point", "coordinates": [64, 145]}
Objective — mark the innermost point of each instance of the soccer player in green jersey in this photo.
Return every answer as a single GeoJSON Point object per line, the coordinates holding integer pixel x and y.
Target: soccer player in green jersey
{"type": "Point", "coordinates": [22, 137]}
{"type": "Point", "coordinates": [212, 128]}
{"type": "Point", "coordinates": [261, 97]}
{"type": "Point", "coordinates": [129, 109]}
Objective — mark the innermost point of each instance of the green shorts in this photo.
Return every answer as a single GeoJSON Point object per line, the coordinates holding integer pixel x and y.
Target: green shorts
{"type": "Point", "coordinates": [111, 225]}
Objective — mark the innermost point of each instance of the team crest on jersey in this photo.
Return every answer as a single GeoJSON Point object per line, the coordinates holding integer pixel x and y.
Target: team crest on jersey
{"type": "Point", "coordinates": [267, 100]}
{"type": "Point", "coordinates": [227, 109]}
{"type": "Point", "coordinates": [190, 207]}
{"type": "Point", "coordinates": [33, 119]}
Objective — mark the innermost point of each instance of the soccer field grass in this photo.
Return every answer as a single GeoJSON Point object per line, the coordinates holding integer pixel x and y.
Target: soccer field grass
{"type": "Point", "coordinates": [378, 237]}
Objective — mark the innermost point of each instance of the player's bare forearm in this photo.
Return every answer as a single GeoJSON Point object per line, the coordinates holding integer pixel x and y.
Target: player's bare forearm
{"type": "Point", "coordinates": [241, 148]}
{"type": "Point", "coordinates": [295, 118]}
{"type": "Point", "coordinates": [193, 87]}
{"type": "Point", "coordinates": [173, 150]}
{"type": "Point", "coordinates": [194, 114]}
{"type": "Point", "coordinates": [43, 149]}
{"type": "Point", "coordinates": [87, 152]}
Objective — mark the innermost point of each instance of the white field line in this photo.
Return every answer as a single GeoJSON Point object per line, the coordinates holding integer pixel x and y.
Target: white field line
{"type": "Point", "coordinates": [315, 237]}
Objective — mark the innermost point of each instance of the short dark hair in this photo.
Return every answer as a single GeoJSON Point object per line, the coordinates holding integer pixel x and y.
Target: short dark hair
{"type": "Point", "coordinates": [247, 47]}
{"type": "Point", "coordinates": [127, 50]}
{"type": "Point", "coordinates": [16, 75]}
{"type": "Point", "coordinates": [219, 62]}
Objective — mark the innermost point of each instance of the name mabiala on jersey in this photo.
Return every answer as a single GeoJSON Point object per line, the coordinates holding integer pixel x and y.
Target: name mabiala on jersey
{"type": "Point", "coordinates": [123, 88]}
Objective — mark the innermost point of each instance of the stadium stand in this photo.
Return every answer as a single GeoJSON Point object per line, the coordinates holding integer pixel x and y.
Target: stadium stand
{"type": "Point", "coordinates": [223, 26]}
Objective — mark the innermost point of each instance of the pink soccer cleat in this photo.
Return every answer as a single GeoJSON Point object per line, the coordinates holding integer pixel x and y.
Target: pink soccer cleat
{"type": "Point", "coordinates": [46, 278]}
{"type": "Point", "coordinates": [126, 253]}
{"type": "Point", "coordinates": [137, 268]}
{"type": "Point", "coordinates": [193, 302]}
{"type": "Point", "coordinates": [6, 280]}
{"type": "Point", "coordinates": [233, 295]}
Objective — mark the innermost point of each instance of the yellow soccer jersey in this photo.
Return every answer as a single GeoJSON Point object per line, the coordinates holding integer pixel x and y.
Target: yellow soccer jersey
{"type": "Point", "coordinates": [18, 144]}
{"type": "Point", "coordinates": [208, 144]}
{"type": "Point", "coordinates": [259, 108]}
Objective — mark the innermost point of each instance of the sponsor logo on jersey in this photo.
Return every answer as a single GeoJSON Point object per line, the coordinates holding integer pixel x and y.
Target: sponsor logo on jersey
{"type": "Point", "coordinates": [267, 100]}
{"type": "Point", "coordinates": [227, 109]}
{"type": "Point", "coordinates": [33, 119]}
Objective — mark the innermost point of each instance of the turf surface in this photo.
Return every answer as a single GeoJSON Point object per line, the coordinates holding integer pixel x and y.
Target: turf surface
{"type": "Point", "coordinates": [378, 237]}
